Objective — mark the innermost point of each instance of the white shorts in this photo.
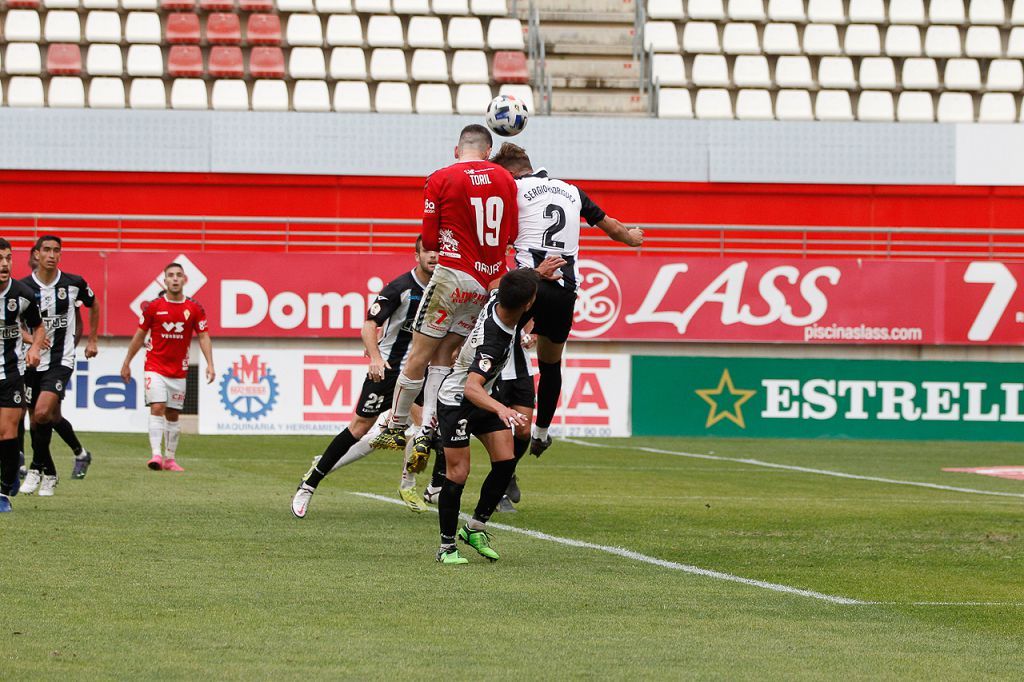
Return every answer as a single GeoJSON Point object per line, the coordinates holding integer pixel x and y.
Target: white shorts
{"type": "Point", "coordinates": [451, 303]}
{"type": "Point", "coordinates": [161, 389]}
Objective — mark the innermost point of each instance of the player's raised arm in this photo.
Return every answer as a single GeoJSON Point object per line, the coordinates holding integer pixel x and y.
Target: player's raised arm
{"type": "Point", "coordinates": [616, 230]}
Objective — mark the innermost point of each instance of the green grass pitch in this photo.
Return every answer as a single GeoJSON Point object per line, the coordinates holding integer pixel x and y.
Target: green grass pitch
{"type": "Point", "coordinates": [138, 574]}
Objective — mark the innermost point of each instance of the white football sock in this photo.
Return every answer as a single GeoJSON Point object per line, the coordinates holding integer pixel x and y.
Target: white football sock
{"type": "Point", "coordinates": [473, 524]}
{"type": "Point", "coordinates": [540, 433]}
{"type": "Point", "coordinates": [172, 435]}
{"type": "Point", "coordinates": [156, 434]}
{"type": "Point", "coordinates": [408, 480]}
{"type": "Point", "coordinates": [405, 395]}
{"type": "Point", "coordinates": [431, 385]}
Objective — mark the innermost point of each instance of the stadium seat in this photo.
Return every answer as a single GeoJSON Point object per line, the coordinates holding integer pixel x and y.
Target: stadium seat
{"type": "Point", "coordinates": [23, 59]}
{"type": "Point", "coordinates": [307, 62]}
{"type": "Point", "coordinates": [947, 12]}
{"type": "Point", "coordinates": [214, 5]}
{"type": "Point", "coordinates": [65, 92]}
{"type": "Point", "coordinates": [962, 74]}
{"type": "Point", "coordinates": [665, 9]}
{"type": "Point", "coordinates": [983, 41]}
{"type": "Point", "coordinates": [754, 105]}
{"type": "Point", "coordinates": [833, 105]}
{"type": "Point", "coordinates": [106, 93]}
{"type": "Point", "coordinates": [226, 62]}
{"type": "Point", "coordinates": [837, 73]}
{"type": "Point", "coordinates": [24, 91]}
{"type": "Point", "coordinates": [426, 32]}
{"type": "Point", "coordinates": [740, 39]}
{"type": "Point", "coordinates": [332, 6]}
{"type": "Point", "coordinates": [700, 37]}
{"type": "Point", "coordinates": [179, 5]}
{"type": "Point", "coordinates": [311, 95]}
{"type": "Point", "coordinates": [224, 29]}
{"type": "Point", "coordinates": [100, 4]}
{"type": "Point", "coordinates": [182, 28]}
{"type": "Point", "coordinates": [956, 107]}
{"type": "Point", "coordinates": [351, 96]}
{"type": "Point", "coordinates": [674, 103]}
{"type": "Point", "coordinates": [348, 63]}
{"type": "Point", "coordinates": [266, 62]}
{"type": "Point", "coordinates": [705, 10]}
{"type": "Point", "coordinates": [906, 12]}
{"type": "Point", "coordinates": [372, 6]}
{"type": "Point", "coordinates": [877, 73]}
{"type": "Point", "coordinates": [305, 30]}
{"type": "Point", "coordinates": [269, 95]}
{"type": "Point", "coordinates": [344, 30]}
{"type": "Point", "coordinates": [915, 107]}
{"type": "Point", "coordinates": [388, 64]}
{"type": "Point", "coordinates": [287, 6]}
{"type": "Point", "coordinates": [511, 67]}
{"type": "Point", "coordinates": [866, 12]}
{"type": "Point", "coordinates": [523, 93]}
{"type": "Point", "coordinates": [393, 98]}
{"type": "Point", "coordinates": [450, 6]}
{"type": "Point", "coordinates": [62, 27]}
{"type": "Point", "coordinates": [385, 31]}
{"type": "Point", "coordinates": [942, 41]}
{"type": "Point", "coordinates": [229, 95]}
{"type": "Point", "coordinates": [713, 103]}
{"type": "Point", "coordinates": [668, 69]}
{"type": "Point", "coordinates": [465, 33]}
{"type": "Point", "coordinates": [751, 72]}
{"type": "Point", "coordinates": [862, 40]}
{"type": "Point", "coordinates": [920, 73]}
{"type": "Point", "coordinates": [146, 60]}
{"type": "Point", "coordinates": [104, 60]}
{"type": "Point", "coordinates": [505, 34]}
{"type": "Point", "coordinates": [987, 12]}
{"type": "Point", "coordinates": [22, 25]}
{"type": "Point", "coordinates": [64, 60]}
{"type": "Point", "coordinates": [903, 41]}
{"type": "Point", "coordinates": [793, 72]}
{"type": "Point", "coordinates": [472, 99]}
{"type": "Point", "coordinates": [411, 7]}
{"type": "Point", "coordinates": [786, 10]}
{"type": "Point", "coordinates": [793, 105]}
{"type": "Point", "coordinates": [489, 8]}
{"type": "Point", "coordinates": [997, 107]}
{"type": "Point", "coordinates": [147, 93]}
{"type": "Point", "coordinates": [189, 93]}
{"type": "Point", "coordinates": [1015, 44]}
{"type": "Point", "coordinates": [821, 39]}
{"type": "Point", "coordinates": [661, 36]}
{"type": "Point", "coordinates": [780, 39]}
{"type": "Point", "coordinates": [265, 29]}
{"type": "Point", "coordinates": [143, 27]}
{"type": "Point", "coordinates": [1005, 75]}
{"type": "Point", "coordinates": [185, 61]}
{"type": "Point", "coordinates": [433, 98]}
{"type": "Point", "coordinates": [57, 4]}
{"type": "Point", "coordinates": [1017, 13]}
{"type": "Point", "coordinates": [746, 10]}
{"type": "Point", "coordinates": [710, 70]}
{"type": "Point", "coordinates": [875, 106]}
{"type": "Point", "coordinates": [469, 66]}
{"type": "Point", "coordinates": [430, 66]}
{"type": "Point", "coordinates": [826, 11]}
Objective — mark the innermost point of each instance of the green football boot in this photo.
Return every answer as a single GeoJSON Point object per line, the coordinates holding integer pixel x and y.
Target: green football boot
{"type": "Point", "coordinates": [480, 540]}
{"type": "Point", "coordinates": [450, 556]}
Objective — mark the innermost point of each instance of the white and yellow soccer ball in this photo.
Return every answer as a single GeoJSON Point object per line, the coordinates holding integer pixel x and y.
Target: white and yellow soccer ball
{"type": "Point", "coordinates": [507, 115]}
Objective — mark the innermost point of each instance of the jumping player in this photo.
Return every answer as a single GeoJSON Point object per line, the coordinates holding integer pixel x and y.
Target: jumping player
{"type": "Point", "coordinates": [17, 307]}
{"type": "Point", "coordinates": [57, 294]}
{"type": "Point", "coordinates": [170, 321]}
{"type": "Point", "coordinates": [549, 224]}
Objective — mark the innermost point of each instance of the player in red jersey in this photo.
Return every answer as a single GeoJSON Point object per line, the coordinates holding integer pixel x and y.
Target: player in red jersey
{"type": "Point", "coordinates": [170, 321]}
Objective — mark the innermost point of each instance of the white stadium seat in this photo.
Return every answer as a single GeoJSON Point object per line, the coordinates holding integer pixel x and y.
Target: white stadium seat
{"type": "Point", "coordinates": [661, 36]}
{"type": "Point", "coordinates": [877, 73]}
{"type": "Point", "coordinates": [793, 105]}
{"type": "Point", "coordinates": [62, 27]}
{"type": "Point", "coordinates": [22, 25]}
{"type": "Point", "coordinates": [1005, 75]}
{"type": "Point", "coordinates": [23, 59]}
{"type": "Point", "coordinates": [189, 93]}
{"type": "Point", "coordinates": [987, 12]}
{"type": "Point", "coordinates": [833, 105]}
{"type": "Point", "coordinates": [106, 93]}
{"type": "Point", "coordinates": [524, 93]}
{"type": "Point", "coordinates": [65, 92]}
{"type": "Point", "coordinates": [942, 41]}
{"type": "Point", "coordinates": [411, 6]}
{"type": "Point", "coordinates": [269, 95]}
{"type": "Point", "coordinates": [426, 32]}
{"type": "Point", "coordinates": [674, 103]}
{"type": "Point", "coordinates": [348, 63]}
{"type": "Point", "coordinates": [373, 6]}
{"type": "Point", "coordinates": [489, 8]}
{"type": "Point", "coordinates": [230, 95]}
{"type": "Point", "coordinates": [433, 98]}
{"type": "Point", "coordinates": [793, 72]}
{"type": "Point", "coordinates": [25, 91]}
{"type": "Point", "coordinates": [60, 4]}
{"type": "Point", "coordinates": [713, 103]}
{"type": "Point", "coordinates": [665, 9]}
{"type": "Point", "coordinates": [103, 27]}
{"type": "Point", "coordinates": [920, 73]}
{"type": "Point", "coordinates": [947, 12]}
{"type": "Point", "coordinates": [450, 7]}
{"type": "Point", "coordinates": [826, 11]}
{"type": "Point", "coordinates": [147, 93]}
{"type": "Point", "coordinates": [100, 4]}
{"type": "Point", "coordinates": [294, 6]}
{"type": "Point", "coordinates": [915, 107]}
{"type": "Point", "coordinates": [333, 6]}
{"type": "Point", "coordinates": [751, 72]}
{"type": "Point", "coordinates": [351, 96]}
{"type": "Point", "coordinates": [142, 27]}
{"type": "Point", "coordinates": [867, 12]}
{"type": "Point", "coordinates": [862, 40]}
{"type": "Point", "coordinates": [384, 31]}
{"type": "Point", "coordinates": [983, 41]}
{"type": "Point", "coordinates": [388, 64]}
{"type": "Point", "coordinates": [997, 107]}
{"type": "Point", "coordinates": [470, 66]}
{"type": "Point", "coordinates": [305, 29]}
{"type": "Point", "coordinates": [472, 99]}
{"type": "Point", "coordinates": [145, 60]}
{"type": "Point", "coordinates": [740, 39]}
{"type": "Point", "coordinates": [1015, 44]}
{"type": "Point", "coordinates": [393, 98]}
{"type": "Point", "coordinates": [700, 36]}
{"type": "Point", "coordinates": [706, 10]}
{"type": "Point", "coordinates": [747, 10]}
{"type": "Point", "coordinates": [837, 73]}
{"type": "Point", "coordinates": [903, 41]}
{"type": "Point", "coordinates": [780, 39]}
{"type": "Point", "coordinates": [430, 65]}
{"type": "Point", "coordinates": [906, 12]}
{"type": "Point", "coordinates": [308, 62]}
{"type": "Point", "coordinates": [465, 33]}
{"type": "Point", "coordinates": [754, 105]}
{"type": "Point", "coordinates": [668, 69]}
{"type": "Point", "coordinates": [344, 30]}
{"type": "Point", "coordinates": [962, 74]}
{"type": "Point", "coordinates": [786, 10]}
{"type": "Point", "coordinates": [821, 39]}
{"type": "Point", "coordinates": [875, 106]}
{"type": "Point", "coordinates": [710, 70]}
{"type": "Point", "coordinates": [1017, 14]}
{"type": "Point", "coordinates": [311, 95]}
{"type": "Point", "coordinates": [505, 34]}
{"type": "Point", "coordinates": [105, 60]}
{"type": "Point", "coordinates": [956, 107]}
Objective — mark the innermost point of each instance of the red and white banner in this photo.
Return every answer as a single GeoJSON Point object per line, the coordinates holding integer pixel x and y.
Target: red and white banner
{"type": "Point", "coordinates": [620, 297]}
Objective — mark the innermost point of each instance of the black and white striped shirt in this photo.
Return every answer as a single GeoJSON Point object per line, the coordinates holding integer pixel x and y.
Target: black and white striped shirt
{"type": "Point", "coordinates": [56, 303]}
{"type": "Point", "coordinates": [18, 305]}
{"type": "Point", "coordinates": [394, 311]}
{"type": "Point", "coordinates": [485, 352]}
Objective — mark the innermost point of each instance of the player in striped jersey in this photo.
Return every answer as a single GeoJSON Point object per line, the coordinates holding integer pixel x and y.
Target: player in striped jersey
{"type": "Point", "coordinates": [17, 306]}
{"type": "Point", "coordinates": [391, 318]}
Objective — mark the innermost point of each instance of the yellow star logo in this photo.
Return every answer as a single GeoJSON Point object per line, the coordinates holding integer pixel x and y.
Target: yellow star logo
{"type": "Point", "coordinates": [712, 396]}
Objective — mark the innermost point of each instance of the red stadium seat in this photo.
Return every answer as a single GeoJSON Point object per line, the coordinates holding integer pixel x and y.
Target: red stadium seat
{"type": "Point", "coordinates": [263, 29]}
{"type": "Point", "coordinates": [182, 28]}
{"type": "Point", "coordinates": [186, 5]}
{"type": "Point", "coordinates": [510, 67]}
{"type": "Point", "coordinates": [64, 59]}
{"type": "Point", "coordinates": [217, 5]}
{"type": "Point", "coordinates": [266, 62]}
{"type": "Point", "coordinates": [185, 61]}
{"type": "Point", "coordinates": [256, 5]}
{"type": "Point", "coordinates": [226, 62]}
{"type": "Point", "coordinates": [23, 4]}
{"type": "Point", "coordinates": [223, 29]}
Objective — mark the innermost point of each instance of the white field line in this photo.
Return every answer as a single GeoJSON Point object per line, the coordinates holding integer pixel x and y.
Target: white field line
{"type": "Point", "coordinates": [805, 470]}
{"type": "Point", "coordinates": [643, 558]}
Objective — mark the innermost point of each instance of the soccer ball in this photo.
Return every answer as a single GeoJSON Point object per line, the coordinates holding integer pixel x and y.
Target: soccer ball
{"type": "Point", "coordinates": [507, 115]}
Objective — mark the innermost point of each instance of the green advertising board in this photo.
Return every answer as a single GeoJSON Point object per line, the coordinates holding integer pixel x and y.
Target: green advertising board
{"type": "Point", "coordinates": [824, 398]}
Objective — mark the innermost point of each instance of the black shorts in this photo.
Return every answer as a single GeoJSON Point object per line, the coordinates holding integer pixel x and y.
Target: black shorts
{"type": "Point", "coordinates": [514, 392]}
{"type": "Point", "coordinates": [458, 423]}
{"type": "Point", "coordinates": [54, 380]}
{"type": "Point", "coordinates": [376, 396]}
{"type": "Point", "coordinates": [552, 311]}
{"type": "Point", "coordinates": [12, 392]}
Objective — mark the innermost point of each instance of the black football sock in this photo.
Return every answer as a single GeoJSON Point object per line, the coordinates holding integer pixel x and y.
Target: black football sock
{"type": "Point", "coordinates": [520, 446]}
{"type": "Point", "coordinates": [437, 478]}
{"type": "Point", "coordinates": [548, 390]}
{"type": "Point", "coordinates": [8, 465]}
{"type": "Point", "coordinates": [494, 488]}
{"type": "Point", "coordinates": [448, 505]}
{"type": "Point", "coordinates": [334, 452]}
{"type": "Point", "coordinates": [21, 434]}
{"type": "Point", "coordinates": [67, 434]}
{"type": "Point", "coordinates": [42, 460]}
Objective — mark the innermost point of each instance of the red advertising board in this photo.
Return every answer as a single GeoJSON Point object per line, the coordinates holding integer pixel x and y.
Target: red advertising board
{"type": "Point", "coordinates": [620, 297]}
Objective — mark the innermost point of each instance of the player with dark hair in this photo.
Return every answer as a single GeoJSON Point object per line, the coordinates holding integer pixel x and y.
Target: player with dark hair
{"type": "Point", "coordinates": [393, 312]}
{"type": "Point", "coordinates": [57, 295]}
{"type": "Point", "coordinates": [17, 307]}
{"type": "Point", "coordinates": [170, 321]}
{"type": "Point", "coordinates": [466, 407]}
{"type": "Point", "coordinates": [549, 224]}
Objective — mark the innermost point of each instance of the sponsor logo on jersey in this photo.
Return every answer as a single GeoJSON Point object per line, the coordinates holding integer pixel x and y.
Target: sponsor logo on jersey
{"type": "Point", "coordinates": [598, 300]}
{"type": "Point", "coordinates": [429, 206]}
{"type": "Point", "coordinates": [374, 309]}
{"type": "Point", "coordinates": [163, 312]}
{"type": "Point", "coordinates": [10, 332]}
{"type": "Point", "coordinates": [62, 294]}
{"type": "Point", "coordinates": [248, 389]}
{"type": "Point", "coordinates": [449, 245]}
{"type": "Point", "coordinates": [175, 327]}
{"type": "Point", "coordinates": [55, 322]}
{"type": "Point", "coordinates": [460, 296]}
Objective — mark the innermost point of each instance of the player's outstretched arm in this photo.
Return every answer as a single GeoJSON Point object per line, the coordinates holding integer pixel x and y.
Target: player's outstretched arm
{"type": "Point", "coordinates": [372, 344]}
{"type": "Point", "coordinates": [206, 346]}
{"type": "Point", "coordinates": [551, 268]}
{"type": "Point", "coordinates": [620, 233]}
{"type": "Point", "coordinates": [91, 348]}
{"type": "Point", "coordinates": [479, 396]}
{"type": "Point", "coordinates": [134, 346]}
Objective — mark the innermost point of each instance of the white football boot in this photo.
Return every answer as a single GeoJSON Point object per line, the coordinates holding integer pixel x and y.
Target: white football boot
{"type": "Point", "coordinates": [47, 486]}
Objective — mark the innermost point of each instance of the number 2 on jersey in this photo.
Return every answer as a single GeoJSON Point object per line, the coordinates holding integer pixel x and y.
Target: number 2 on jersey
{"type": "Point", "coordinates": [555, 212]}
{"type": "Point", "coordinates": [488, 219]}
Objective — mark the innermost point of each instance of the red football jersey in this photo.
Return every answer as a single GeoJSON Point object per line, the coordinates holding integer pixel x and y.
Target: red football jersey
{"type": "Point", "coordinates": [170, 325]}
{"type": "Point", "coordinates": [470, 217]}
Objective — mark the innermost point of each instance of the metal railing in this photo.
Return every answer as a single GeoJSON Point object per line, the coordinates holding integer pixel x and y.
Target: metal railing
{"type": "Point", "coordinates": [537, 53]}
